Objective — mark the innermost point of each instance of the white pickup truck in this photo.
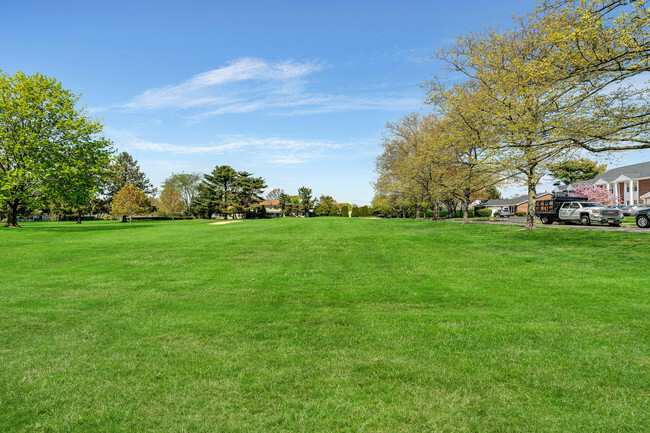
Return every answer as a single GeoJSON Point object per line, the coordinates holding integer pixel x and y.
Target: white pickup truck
{"type": "Point", "coordinates": [588, 212]}
{"type": "Point", "coordinates": [570, 209]}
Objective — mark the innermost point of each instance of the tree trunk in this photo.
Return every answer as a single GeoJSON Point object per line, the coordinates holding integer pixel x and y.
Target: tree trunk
{"type": "Point", "coordinates": [172, 216]}
{"type": "Point", "coordinates": [12, 214]}
{"type": "Point", "coordinates": [465, 212]}
{"type": "Point", "coordinates": [436, 210]}
{"type": "Point", "coordinates": [130, 222]}
{"type": "Point", "coordinates": [465, 206]}
{"type": "Point", "coordinates": [530, 214]}
{"type": "Point", "coordinates": [418, 210]}
{"type": "Point", "coordinates": [79, 217]}
{"type": "Point", "coordinates": [124, 218]}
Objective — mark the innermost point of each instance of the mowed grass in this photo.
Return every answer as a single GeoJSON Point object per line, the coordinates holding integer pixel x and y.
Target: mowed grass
{"type": "Point", "coordinates": [322, 325]}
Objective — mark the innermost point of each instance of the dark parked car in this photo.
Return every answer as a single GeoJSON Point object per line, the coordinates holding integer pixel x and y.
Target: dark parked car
{"type": "Point", "coordinates": [627, 210]}
{"type": "Point", "coordinates": [639, 207]}
{"type": "Point", "coordinates": [643, 218]}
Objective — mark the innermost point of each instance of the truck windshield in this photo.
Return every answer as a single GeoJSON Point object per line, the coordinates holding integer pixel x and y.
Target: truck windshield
{"type": "Point", "coordinates": [592, 205]}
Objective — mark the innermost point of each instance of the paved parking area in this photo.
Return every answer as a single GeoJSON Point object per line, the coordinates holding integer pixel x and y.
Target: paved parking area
{"type": "Point", "coordinates": [521, 221]}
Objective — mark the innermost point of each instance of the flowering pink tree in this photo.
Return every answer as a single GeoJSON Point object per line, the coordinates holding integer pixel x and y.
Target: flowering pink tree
{"type": "Point", "coordinates": [595, 194]}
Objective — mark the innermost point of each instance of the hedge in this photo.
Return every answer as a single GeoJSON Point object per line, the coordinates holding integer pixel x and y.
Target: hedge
{"type": "Point", "coordinates": [484, 212]}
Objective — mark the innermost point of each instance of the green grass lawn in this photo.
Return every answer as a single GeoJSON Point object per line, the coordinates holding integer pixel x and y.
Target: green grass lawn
{"type": "Point", "coordinates": [322, 325]}
{"type": "Point", "coordinates": [629, 221]}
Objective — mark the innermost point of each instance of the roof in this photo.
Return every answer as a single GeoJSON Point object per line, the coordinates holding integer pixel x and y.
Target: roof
{"type": "Point", "coordinates": [506, 202]}
{"type": "Point", "coordinates": [634, 171]}
{"type": "Point", "coordinates": [510, 201]}
{"type": "Point", "coordinates": [270, 203]}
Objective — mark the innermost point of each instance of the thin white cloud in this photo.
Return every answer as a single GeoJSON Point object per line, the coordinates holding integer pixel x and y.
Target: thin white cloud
{"type": "Point", "coordinates": [206, 89]}
{"type": "Point", "coordinates": [277, 150]}
{"type": "Point", "coordinates": [316, 104]}
{"type": "Point", "coordinates": [250, 85]}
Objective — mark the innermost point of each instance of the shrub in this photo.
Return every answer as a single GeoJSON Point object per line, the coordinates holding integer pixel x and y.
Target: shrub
{"type": "Point", "coordinates": [484, 212]}
{"type": "Point", "coordinates": [444, 213]}
{"type": "Point", "coordinates": [520, 213]}
{"type": "Point", "coordinates": [428, 214]}
{"type": "Point", "coordinates": [355, 212]}
{"type": "Point", "coordinates": [344, 212]}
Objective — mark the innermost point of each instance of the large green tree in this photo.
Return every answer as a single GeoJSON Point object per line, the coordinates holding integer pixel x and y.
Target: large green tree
{"type": "Point", "coordinates": [187, 184]}
{"type": "Point", "coordinates": [247, 191]}
{"type": "Point", "coordinates": [215, 191]}
{"type": "Point", "coordinates": [326, 206]}
{"type": "Point", "coordinates": [50, 149]}
{"type": "Point", "coordinates": [285, 203]}
{"type": "Point", "coordinates": [306, 201]}
{"type": "Point", "coordinates": [575, 170]}
{"type": "Point", "coordinates": [76, 187]}
{"type": "Point", "coordinates": [492, 193]}
{"type": "Point", "coordinates": [126, 171]}
{"type": "Point", "coordinates": [226, 191]}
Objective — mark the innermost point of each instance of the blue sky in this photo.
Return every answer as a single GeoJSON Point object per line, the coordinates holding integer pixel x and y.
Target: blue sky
{"type": "Point", "coordinates": [296, 92]}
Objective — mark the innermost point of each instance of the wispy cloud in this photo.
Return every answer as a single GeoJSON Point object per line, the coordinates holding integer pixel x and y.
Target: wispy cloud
{"type": "Point", "coordinates": [278, 150]}
{"type": "Point", "coordinates": [251, 84]}
{"type": "Point", "coordinates": [205, 89]}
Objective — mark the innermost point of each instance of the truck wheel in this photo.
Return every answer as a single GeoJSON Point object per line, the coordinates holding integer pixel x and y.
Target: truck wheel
{"type": "Point", "coordinates": [584, 220]}
{"type": "Point", "coordinates": [547, 220]}
{"type": "Point", "coordinates": [643, 221]}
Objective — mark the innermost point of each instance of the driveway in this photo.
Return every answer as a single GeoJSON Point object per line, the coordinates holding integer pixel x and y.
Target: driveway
{"type": "Point", "coordinates": [521, 221]}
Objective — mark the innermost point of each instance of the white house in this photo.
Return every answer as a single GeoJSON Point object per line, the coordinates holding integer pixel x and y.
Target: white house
{"type": "Point", "coordinates": [631, 184]}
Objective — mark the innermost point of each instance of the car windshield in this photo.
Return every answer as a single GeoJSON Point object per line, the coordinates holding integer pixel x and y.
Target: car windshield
{"type": "Point", "coordinates": [591, 205]}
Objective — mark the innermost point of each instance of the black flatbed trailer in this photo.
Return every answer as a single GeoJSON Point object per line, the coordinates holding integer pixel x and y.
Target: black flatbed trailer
{"type": "Point", "coordinates": [548, 210]}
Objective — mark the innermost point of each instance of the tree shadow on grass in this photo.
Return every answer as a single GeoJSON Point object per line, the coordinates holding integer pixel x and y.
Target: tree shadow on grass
{"type": "Point", "coordinates": [53, 227]}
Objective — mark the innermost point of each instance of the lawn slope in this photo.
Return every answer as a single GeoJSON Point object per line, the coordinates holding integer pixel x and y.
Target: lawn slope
{"type": "Point", "coordinates": [323, 324]}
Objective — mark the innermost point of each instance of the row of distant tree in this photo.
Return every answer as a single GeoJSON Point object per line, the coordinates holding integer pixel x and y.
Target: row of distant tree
{"type": "Point", "coordinates": [228, 193]}
{"type": "Point", "coordinates": [562, 81]}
